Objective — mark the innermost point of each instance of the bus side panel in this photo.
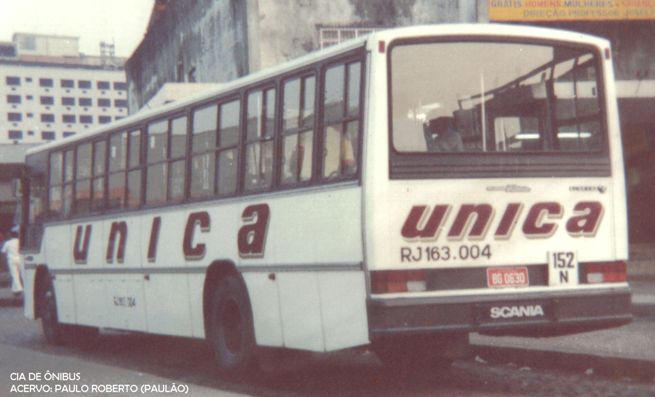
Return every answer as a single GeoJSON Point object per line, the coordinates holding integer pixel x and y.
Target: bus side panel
{"type": "Point", "coordinates": [58, 256]}
{"type": "Point", "coordinates": [167, 290]}
{"type": "Point", "coordinates": [343, 308]}
{"type": "Point", "coordinates": [265, 304]}
{"type": "Point", "coordinates": [124, 301]}
{"type": "Point", "coordinates": [90, 287]}
{"type": "Point", "coordinates": [301, 310]}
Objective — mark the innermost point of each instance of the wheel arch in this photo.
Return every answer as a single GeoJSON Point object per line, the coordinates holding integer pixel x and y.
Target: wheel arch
{"type": "Point", "coordinates": [42, 278]}
{"type": "Point", "coordinates": [217, 271]}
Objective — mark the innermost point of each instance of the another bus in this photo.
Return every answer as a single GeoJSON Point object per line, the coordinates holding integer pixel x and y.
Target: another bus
{"type": "Point", "coordinates": [402, 190]}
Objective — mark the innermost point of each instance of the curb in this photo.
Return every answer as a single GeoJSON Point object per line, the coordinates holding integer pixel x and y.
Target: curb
{"type": "Point", "coordinates": [578, 362]}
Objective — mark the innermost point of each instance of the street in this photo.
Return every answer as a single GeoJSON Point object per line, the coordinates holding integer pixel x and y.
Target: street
{"type": "Point", "coordinates": [135, 360]}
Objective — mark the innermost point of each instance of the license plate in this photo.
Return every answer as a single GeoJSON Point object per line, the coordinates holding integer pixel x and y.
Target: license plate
{"type": "Point", "coordinates": [503, 277]}
{"type": "Point", "coordinates": [562, 268]}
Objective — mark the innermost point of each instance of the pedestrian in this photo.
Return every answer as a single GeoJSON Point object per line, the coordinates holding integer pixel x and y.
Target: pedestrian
{"type": "Point", "coordinates": [14, 262]}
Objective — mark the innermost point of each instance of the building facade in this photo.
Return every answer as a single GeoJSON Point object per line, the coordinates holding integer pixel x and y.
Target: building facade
{"type": "Point", "coordinates": [220, 40]}
{"type": "Point", "coordinates": [48, 90]}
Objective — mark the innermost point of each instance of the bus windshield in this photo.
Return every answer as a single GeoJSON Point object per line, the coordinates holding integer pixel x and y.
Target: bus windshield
{"type": "Point", "coordinates": [482, 97]}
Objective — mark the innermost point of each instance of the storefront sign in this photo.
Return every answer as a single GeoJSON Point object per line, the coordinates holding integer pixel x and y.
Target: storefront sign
{"type": "Point", "coordinates": [570, 10]}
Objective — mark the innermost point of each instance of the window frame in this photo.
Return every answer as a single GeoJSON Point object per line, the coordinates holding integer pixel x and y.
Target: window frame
{"type": "Point", "coordinates": [262, 89]}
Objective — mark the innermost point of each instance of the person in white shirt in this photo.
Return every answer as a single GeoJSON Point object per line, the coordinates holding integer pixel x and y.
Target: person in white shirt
{"type": "Point", "coordinates": [15, 263]}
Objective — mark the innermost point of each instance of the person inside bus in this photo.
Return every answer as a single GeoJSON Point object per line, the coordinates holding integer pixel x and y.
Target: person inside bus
{"type": "Point", "coordinates": [442, 136]}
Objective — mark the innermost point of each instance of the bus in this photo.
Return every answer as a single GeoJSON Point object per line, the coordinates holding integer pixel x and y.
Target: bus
{"type": "Point", "coordinates": [398, 192]}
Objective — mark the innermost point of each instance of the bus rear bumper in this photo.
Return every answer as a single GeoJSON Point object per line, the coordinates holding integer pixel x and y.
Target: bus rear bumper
{"type": "Point", "coordinates": [526, 314]}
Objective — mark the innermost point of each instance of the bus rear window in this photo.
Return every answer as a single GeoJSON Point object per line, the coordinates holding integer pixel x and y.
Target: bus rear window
{"type": "Point", "coordinates": [494, 97]}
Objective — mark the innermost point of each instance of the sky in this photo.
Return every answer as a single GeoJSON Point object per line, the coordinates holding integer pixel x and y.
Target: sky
{"type": "Point", "coordinates": [121, 21]}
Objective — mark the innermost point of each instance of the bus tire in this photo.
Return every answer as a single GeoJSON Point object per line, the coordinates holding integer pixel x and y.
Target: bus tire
{"type": "Point", "coordinates": [53, 330]}
{"type": "Point", "coordinates": [231, 331]}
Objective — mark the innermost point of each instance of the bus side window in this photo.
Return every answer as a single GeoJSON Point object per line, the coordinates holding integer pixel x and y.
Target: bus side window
{"type": "Point", "coordinates": [83, 179]}
{"type": "Point", "coordinates": [69, 164]}
{"type": "Point", "coordinates": [177, 162]}
{"type": "Point", "coordinates": [133, 199]}
{"type": "Point", "coordinates": [260, 126]}
{"type": "Point", "coordinates": [156, 155]}
{"type": "Point", "coordinates": [203, 146]}
{"type": "Point", "coordinates": [298, 130]}
{"type": "Point", "coordinates": [341, 120]}
{"type": "Point", "coordinates": [98, 184]}
{"type": "Point", "coordinates": [228, 148]}
{"type": "Point", "coordinates": [55, 194]}
{"type": "Point", "coordinates": [117, 165]}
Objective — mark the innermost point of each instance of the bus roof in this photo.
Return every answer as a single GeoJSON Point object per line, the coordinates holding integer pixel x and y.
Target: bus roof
{"type": "Point", "coordinates": [369, 41]}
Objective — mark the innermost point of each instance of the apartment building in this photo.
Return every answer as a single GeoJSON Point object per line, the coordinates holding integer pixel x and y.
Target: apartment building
{"type": "Point", "coordinates": [49, 91]}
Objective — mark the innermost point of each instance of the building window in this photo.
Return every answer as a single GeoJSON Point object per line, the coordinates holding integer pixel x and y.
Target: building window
{"type": "Point", "coordinates": [45, 82]}
{"type": "Point", "coordinates": [104, 85]}
{"type": "Point", "coordinates": [15, 134]}
{"type": "Point", "coordinates": [47, 118]}
{"type": "Point", "coordinates": [85, 102]}
{"type": "Point", "coordinates": [12, 80]}
{"type": "Point", "coordinates": [104, 119]}
{"type": "Point", "coordinates": [29, 97]}
{"type": "Point", "coordinates": [119, 85]}
{"type": "Point", "coordinates": [68, 118]}
{"type": "Point", "coordinates": [120, 103]}
{"type": "Point", "coordinates": [30, 115]}
{"type": "Point", "coordinates": [104, 102]}
{"type": "Point", "coordinates": [331, 35]}
{"type": "Point", "coordinates": [13, 99]}
{"type": "Point", "coordinates": [86, 119]}
{"type": "Point", "coordinates": [68, 133]}
{"type": "Point", "coordinates": [65, 83]}
{"type": "Point", "coordinates": [48, 135]}
{"type": "Point", "coordinates": [14, 116]}
{"type": "Point", "coordinates": [28, 79]}
{"type": "Point", "coordinates": [68, 101]}
{"type": "Point", "coordinates": [84, 84]}
{"type": "Point", "coordinates": [47, 100]}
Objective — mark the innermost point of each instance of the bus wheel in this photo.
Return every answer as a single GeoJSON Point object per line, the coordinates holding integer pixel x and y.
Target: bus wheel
{"type": "Point", "coordinates": [231, 331]}
{"type": "Point", "coordinates": [53, 330]}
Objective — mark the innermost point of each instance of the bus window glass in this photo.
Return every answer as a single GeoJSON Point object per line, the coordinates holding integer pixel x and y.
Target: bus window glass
{"type": "Point", "coordinates": [157, 175]}
{"type": "Point", "coordinates": [56, 165]}
{"type": "Point", "coordinates": [227, 172]}
{"type": "Point", "coordinates": [69, 162]}
{"type": "Point", "coordinates": [202, 175]}
{"type": "Point", "coordinates": [133, 198]}
{"type": "Point", "coordinates": [204, 128]}
{"type": "Point", "coordinates": [84, 161]}
{"type": "Point", "coordinates": [117, 151]}
{"type": "Point", "coordinates": [298, 134]}
{"type": "Point", "coordinates": [354, 87]}
{"type": "Point", "coordinates": [341, 125]}
{"type": "Point", "coordinates": [178, 137]}
{"type": "Point", "coordinates": [135, 149]}
{"type": "Point", "coordinates": [99, 158]}
{"type": "Point", "coordinates": [83, 179]}
{"type": "Point", "coordinates": [495, 97]}
{"type": "Point", "coordinates": [177, 163]}
{"type": "Point", "coordinates": [117, 164]}
{"type": "Point", "coordinates": [291, 104]}
{"type": "Point", "coordinates": [157, 141]}
{"type": "Point", "coordinates": [259, 136]}
{"type": "Point", "coordinates": [228, 132]}
{"type": "Point", "coordinates": [333, 96]}
{"type": "Point", "coordinates": [309, 91]}
{"type": "Point", "coordinates": [98, 183]}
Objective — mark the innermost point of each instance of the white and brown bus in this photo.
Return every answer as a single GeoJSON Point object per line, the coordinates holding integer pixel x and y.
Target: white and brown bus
{"type": "Point", "coordinates": [401, 190]}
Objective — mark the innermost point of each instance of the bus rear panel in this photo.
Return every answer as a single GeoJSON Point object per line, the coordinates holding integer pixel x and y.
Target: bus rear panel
{"type": "Point", "coordinates": [501, 206]}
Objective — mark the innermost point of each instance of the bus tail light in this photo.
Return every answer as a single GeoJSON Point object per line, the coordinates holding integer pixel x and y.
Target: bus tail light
{"type": "Point", "coordinates": [606, 272]}
{"type": "Point", "coordinates": [390, 281]}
